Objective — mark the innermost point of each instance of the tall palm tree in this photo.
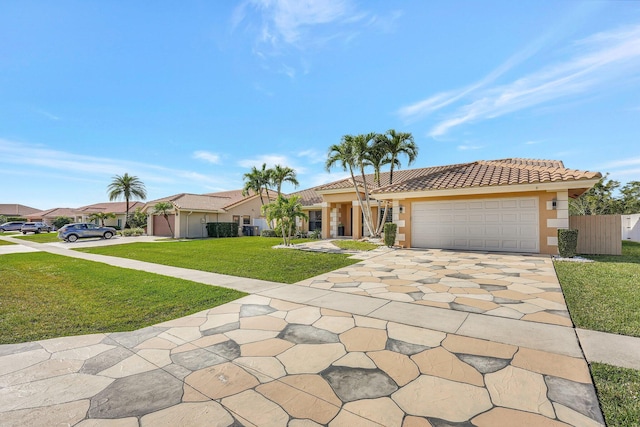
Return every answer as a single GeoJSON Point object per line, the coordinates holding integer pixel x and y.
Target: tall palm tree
{"type": "Point", "coordinates": [101, 216]}
{"type": "Point", "coordinates": [126, 186]}
{"type": "Point", "coordinates": [378, 156]}
{"type": "Point", "coordinates": [397, 143]}
{"type": "Point", "coordinates": [253, 182]}
{"type": "Point", "coordinates": [164, 209]}
{"type": "Point", "coordinates": [280, 174]}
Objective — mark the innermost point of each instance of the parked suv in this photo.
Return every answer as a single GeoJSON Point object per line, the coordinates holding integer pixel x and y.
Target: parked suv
{"type": "Point", "coordinates": [35, 227]}
{"type": "Point", "coordinates": [11, 226]}
{"type": "Point", "coordinates": [82, 230]}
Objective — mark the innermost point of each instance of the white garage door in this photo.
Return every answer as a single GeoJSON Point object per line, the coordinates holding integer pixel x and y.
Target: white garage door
{"type": "Point", "coordinates": [509, 225]}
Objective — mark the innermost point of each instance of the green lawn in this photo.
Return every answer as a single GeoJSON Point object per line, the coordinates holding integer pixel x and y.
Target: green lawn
{"type": "Point", "coordinates": [4, 242]}
{"type": "Point", "coordinates": [45, 296]}
{"type": "Point", "coordinates": [39, 238]}
{"type": "Point", "coordinates": [251, 257]}
{"type": "Point", "coordinates": [604, 295]}
{"type": "Point", "coordinates": [619, 394]}
{"type": "Point", "coordinates": [355, 245]}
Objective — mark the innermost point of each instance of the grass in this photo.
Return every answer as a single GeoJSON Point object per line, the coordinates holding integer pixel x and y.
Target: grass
{"type": "Point", "coordinates": [39, 238]}
{"type": "Point", "coordinates": [45, 296]}
{"type": "Point", "coordinates": [355, 245]}
{"type": "Point", "coordinates": [604, 295]}
{"type": "Point", "coordinates": [4, 242]}
{"type": "Point", "coordinates": [251, 257]}
{"type": "Point", "coordinates": [619, 394]}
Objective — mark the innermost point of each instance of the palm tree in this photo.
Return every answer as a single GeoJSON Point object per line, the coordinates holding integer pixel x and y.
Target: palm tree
{"type": "Point", "coordinates": [164, 209]}
{"type": "Point", "coordinates": [378, 156]}
{"type": "Point", "coordinates": [253, 182]}
{"type": "Point", "coordinates": [101, 216]}
{"type": "Point", "coordinates": [397, 143]}
{"type": "Point", "coordinates": [280, 174]}
{"type": "Point", "coordinates": [126, 186]}
{"type": "Point", "coordinates": [285, 212]}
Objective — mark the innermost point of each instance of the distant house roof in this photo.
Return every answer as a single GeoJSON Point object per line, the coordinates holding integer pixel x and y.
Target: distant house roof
{"type": "Point", "coordinates": [308, 197]}
{"type": "Point", "coordinates": [53, 213]}
{"type": "Point", "coordinates": [196, 202]}
{"type": "Point", "coordinates": [109, 207]}
{"type": "Point", "coordinates": [16, 210]}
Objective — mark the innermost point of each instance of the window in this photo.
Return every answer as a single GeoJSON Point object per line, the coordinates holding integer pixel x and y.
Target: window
{"type": "Point", "coordinates": [389, 215]}
{"type": "Point", "coordinates": [236, 219]}
{"type": "Point", "coordinates": [315, 220]}
{"type": "Point", "coordinates": [246, 220]}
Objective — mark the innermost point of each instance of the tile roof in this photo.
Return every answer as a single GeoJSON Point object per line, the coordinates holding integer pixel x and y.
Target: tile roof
{"type": "Point", "coordinates": [199, 202]}
{"type": "Point", "coordinates": [110, 207]}
{"type": "Point", "coordinates": [53, 213]}
{"type": "Point", "coordinates": [308, 197]}
{"type": "Point", "coordinates": [15, 209]}
{"type": "Point", "coordinates": [485, 173]}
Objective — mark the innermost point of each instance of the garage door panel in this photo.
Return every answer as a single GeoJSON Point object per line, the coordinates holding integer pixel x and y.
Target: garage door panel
{"type": "Point", "coordinates": [489, 224]}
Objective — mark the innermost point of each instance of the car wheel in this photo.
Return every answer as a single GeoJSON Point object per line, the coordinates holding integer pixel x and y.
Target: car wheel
{"type": "Point", "coordinates": [38, 231]}
{"type": "Point", "coordinates": [108, 235]}
{"type": "Point", "coordinates": [24, 232]}
{"type": "Point", "coordinates": [72, 238]}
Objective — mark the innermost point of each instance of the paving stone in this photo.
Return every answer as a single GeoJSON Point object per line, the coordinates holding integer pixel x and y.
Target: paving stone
{"type": "Point", "coordinates": [249, 310]}
{"type": "Point", "coordinates": [305, 334]}
{"type": "Point", "coordinates": [398, 366]}
{"type": "Point", "coordinates": [574, 418]}
{"type": "Point", "coordinates": [132, 365]}
{"type": "Point", "coordinates": [66, 343]}
{"type": "Point", "coordinates": [364, 339]}
{"type": "Point", "coordinates": [352, 384]}
{"type": "Point", "coordinates": [19, 361]}
{"type": "Point", "coordinates": [7, 349]}
{"type": "Point", "coordinates": [349, 419]}
{"type": "Point", "coordinates": [368, 322]}
{"type": "Point", "coordinates": [217, 320]}
{"type": "Point", "coordinates": [335, 324]}
{"type": "Point", "coordinates": [303, 316]}
{"type": "Point", "coordinates": [227, 349]}
{"type": "Point", "coordinates": [265, 369]}
{"type": "Point", "coordinates": [160, 358]}
{"type": "Point", "coordinates": [185, 321]}
{"type": "Point", "coordinates": [404, 347]}
{"type": "Point", "coordinates": [383, 411]}
{"type": "Point", "coordinates": [119, 422]}
{"type": "Point", "coordinates": [411, 421]}
{"type": "Point", "coordinates": [205, 414]}
{"type": "Point", "coordinates": [244, 336]}
{"type": "Point", "coordinates": [221, 380]}
{"type": "Point", "coordinates": [208, 341]}
{"type": "Point", "coordinates": [134, 338]}
{"type": "Point", "coordinates": [504, 417]}
{"type": "Point", "coordinates": [429, 396]}
{"type": "Point", "coordinates": [82, 353]}
{"type": "Point", "coordinates": [478, 347]}
{"type": "Point", "coordinates": [177, 371]}
{"type": "Point", "coordinates": [271, 347]}
{"type": "Point", "coordinates": [467, 308]}
{"type": "Point", "coordinates": [298, 403]}
{"type": "Point", "coordinates": [519, 389]}
{"type": "Point", "coordinates": [190, 394]}
{"type": "Point", "coordinates": [334, 313]}
{"type": "Point", "coordinates": [43, 370]}
{"type": "Point", "coordinates": [153, 390]}
{"type": "Point", "coordinates": [105, 360]}
{"type": "Point", "coordinates": [310, 358]}
{"type": "Point", "coordinates": [542, 362]}
{"type": "Point", "coordinates": [483, 364]}
{"type": "Point", "coordinates": [544, 317]}
{"type": "Point", "coordinates": [415, 335]}
{"type": "Point", "coordinates": [159, 343]}
{"type": "Point", "coordinates": [221, 329]}
{"type": "Point", "coordinates": [577, 396]}
{"type": "Point", "coordinates": [256, 409]}
{"type": "Point", "coordinates": [355, 359]}
{"type": "Point", "coordinates": [303, 423]}
{"type": "Point", "coordinates": [197, 359]}
{"type": "Point", "coordinates": [267, 323]}
{"type": "Point", "coordinates": [185, 347]}
{"type": "Point", "coordinates": [441, 363]}
{"type": "Point", "coordinates": [62, 414]}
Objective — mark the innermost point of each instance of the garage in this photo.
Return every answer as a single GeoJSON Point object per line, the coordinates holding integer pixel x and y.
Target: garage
{"type": "Point", "coordinates": [160, 226]}
{"type": "Point", "coordinates": [506, 225]}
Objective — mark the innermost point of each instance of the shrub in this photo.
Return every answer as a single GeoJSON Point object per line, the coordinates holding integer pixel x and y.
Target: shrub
{"type": "Point", "coordinates": [127, 232]}
{"type": "Point", "coordinates": [3, 219]}
{"type": "Point", "coordinates": [138, 219]}
{"type": "Point", "coordinates": [567, 243]}
{"type": "Point", "coordinates": [315, 234]}
{"type": "Point", "coordinates": [61, 221]}
{"type": "Point", "coordinates": [268, 233]}
{"type": "Point", "coordinates": [137, 231]}
{"type": "Point", "coordinates": [222, 229]}
{"type": "Point", "coordinates": [390, 230]}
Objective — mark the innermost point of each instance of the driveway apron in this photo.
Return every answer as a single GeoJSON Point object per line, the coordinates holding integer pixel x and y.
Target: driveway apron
{"type": "Point", "coordinates": [407, 338]}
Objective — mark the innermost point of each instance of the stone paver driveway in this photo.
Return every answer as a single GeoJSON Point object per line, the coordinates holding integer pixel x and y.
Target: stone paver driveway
{"type": "Point", "coordinates": [295, 356]}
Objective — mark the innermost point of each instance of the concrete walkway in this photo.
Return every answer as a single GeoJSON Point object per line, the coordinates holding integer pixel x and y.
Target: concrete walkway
{"type": "Point", "coordinates": [318, 355]}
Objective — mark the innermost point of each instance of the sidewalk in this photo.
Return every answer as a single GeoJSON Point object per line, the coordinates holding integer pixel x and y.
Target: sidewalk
{"type": "Point", "coordinates": [289, 353]}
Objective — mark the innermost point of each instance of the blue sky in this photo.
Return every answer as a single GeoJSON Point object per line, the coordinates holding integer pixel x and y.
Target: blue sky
{"type": "Point", "coordinates": [188, 96]}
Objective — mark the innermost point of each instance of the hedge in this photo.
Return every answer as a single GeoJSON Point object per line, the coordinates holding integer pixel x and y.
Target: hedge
{"type": "Point", "coordinates": [222, 229]}
{"type": "Point", "coordinates": [390, 230]}
{"type": "Point", "coordinates": [567, 243]}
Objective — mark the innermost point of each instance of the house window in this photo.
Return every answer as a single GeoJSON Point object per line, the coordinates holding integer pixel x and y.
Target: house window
{"type": "Point", "coordinates": [246, 220]}
{"type": "Point", "coordinates": [236, 219]}
{"type": "Point", "coordinates": [315, 220]}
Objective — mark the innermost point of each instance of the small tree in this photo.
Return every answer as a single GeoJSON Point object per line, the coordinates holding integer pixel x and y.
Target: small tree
{"type": "Point", "coordinates": [164, 209]}
{"type": "Point", "coordinates": [127, 187]}
{"type": "Point", "coordinates": [138, 219]}
{"type": "Point", "coordinates": [101, 216]}
{"type": "Point", "coordinates": [285, 212]}
{"type": "Point", "coordinates": [3, 219]}
{"type": "Point", "coordinates": [61, 221]}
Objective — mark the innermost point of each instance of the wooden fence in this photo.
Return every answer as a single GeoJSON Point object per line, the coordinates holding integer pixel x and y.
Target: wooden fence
{"type": "Point", "coordinates": [598, 234]}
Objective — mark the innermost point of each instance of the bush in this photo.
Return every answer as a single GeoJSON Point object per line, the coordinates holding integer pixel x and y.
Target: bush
{"type": "Point", "coordinates": [390, 230]}
{"type": "Point", "coordinates": [315, 234]}
{"type": "Point", "coordinates": [127, 232]}
{"type": "Point", "coordinates": [137, 231]}
{"type": "Point", "coordinates": [61, 221]}
{"type": "Point", "coordinates": [567, 243]}
{"type": "Point", "coordinates": [268, 233]}
{"type": "Point", "coordinates": [222, 229]}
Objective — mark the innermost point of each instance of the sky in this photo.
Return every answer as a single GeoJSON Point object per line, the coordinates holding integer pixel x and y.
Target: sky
{"type": "Point", "coordinates": [189, 95]}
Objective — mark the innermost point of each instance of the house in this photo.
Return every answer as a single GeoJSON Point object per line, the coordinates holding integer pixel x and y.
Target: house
{"type": "Point", "coordinates": [15, 210]}
{"type": "Point", "coordinates": [191, 213]}
{"type": "Point", "coordinates": [49, 215]}
{"type": "Point", "coordinates": [82, 214]}
{"type": "Point", "coordinates": [508, 205]}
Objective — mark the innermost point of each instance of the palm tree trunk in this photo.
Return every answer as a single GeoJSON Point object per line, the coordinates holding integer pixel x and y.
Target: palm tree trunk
{"type": "Point", "coordinates": [369, 216]}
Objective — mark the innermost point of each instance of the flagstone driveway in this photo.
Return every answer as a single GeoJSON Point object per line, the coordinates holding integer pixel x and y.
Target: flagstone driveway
{"type": "Point", "coordinates": [297, 356]}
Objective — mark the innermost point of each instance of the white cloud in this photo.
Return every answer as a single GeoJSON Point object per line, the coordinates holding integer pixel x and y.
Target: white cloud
{"type": "Point", "coordinates": [47, 114]}
{"type": "Point", "coordinates": [271, 160]}
{"type": "Point", "coordinates": [312, 156]}
{"type": "Point", "coordinates": [468, 147]}
{"type": "Point", "coordinates": [207, 157]}
{"type": "Point", "coordinates": [532, 142]}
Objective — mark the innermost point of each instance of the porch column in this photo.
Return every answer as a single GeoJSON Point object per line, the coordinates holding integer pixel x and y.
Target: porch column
{"type": "Point", "coordinates": [176, 225]}
{"type": "Point", "coordinates": [326, 220]}
{"type": "Point", "coordinates": [356, 220]}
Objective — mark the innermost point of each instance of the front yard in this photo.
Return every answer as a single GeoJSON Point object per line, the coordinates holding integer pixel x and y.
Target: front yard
{"type": "Point", "coordinates": [605, 296]}
{"type": "Point", "coordinates": [45, 296]}
{"type": "Point", "coordinates": [251, 257]}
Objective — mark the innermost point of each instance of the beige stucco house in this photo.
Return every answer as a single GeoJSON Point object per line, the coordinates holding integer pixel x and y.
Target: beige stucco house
{"type": "Point", "coordinates": [191, 213]}
{"type": "Point", "coordinates": [512, 205]}
{"type": "Point", "coordinates": [83, 213]}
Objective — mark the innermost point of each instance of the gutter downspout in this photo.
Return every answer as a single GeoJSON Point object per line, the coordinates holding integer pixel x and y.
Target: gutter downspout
{"type": "Point", "coordinates": [188, 215]}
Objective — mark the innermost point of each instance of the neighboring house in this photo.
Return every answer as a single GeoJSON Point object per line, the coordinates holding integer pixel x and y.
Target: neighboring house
{"type": "Point", "coordinates": [83, 213]}
{"type": "Point", "coordinates": [16, 210]}
{"type": "Point", "coordinates": [510, 205]}
{"type": "Point", "coordinates": [191, 213]}
{"type": "Point", "coordinates": [50, 215]}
